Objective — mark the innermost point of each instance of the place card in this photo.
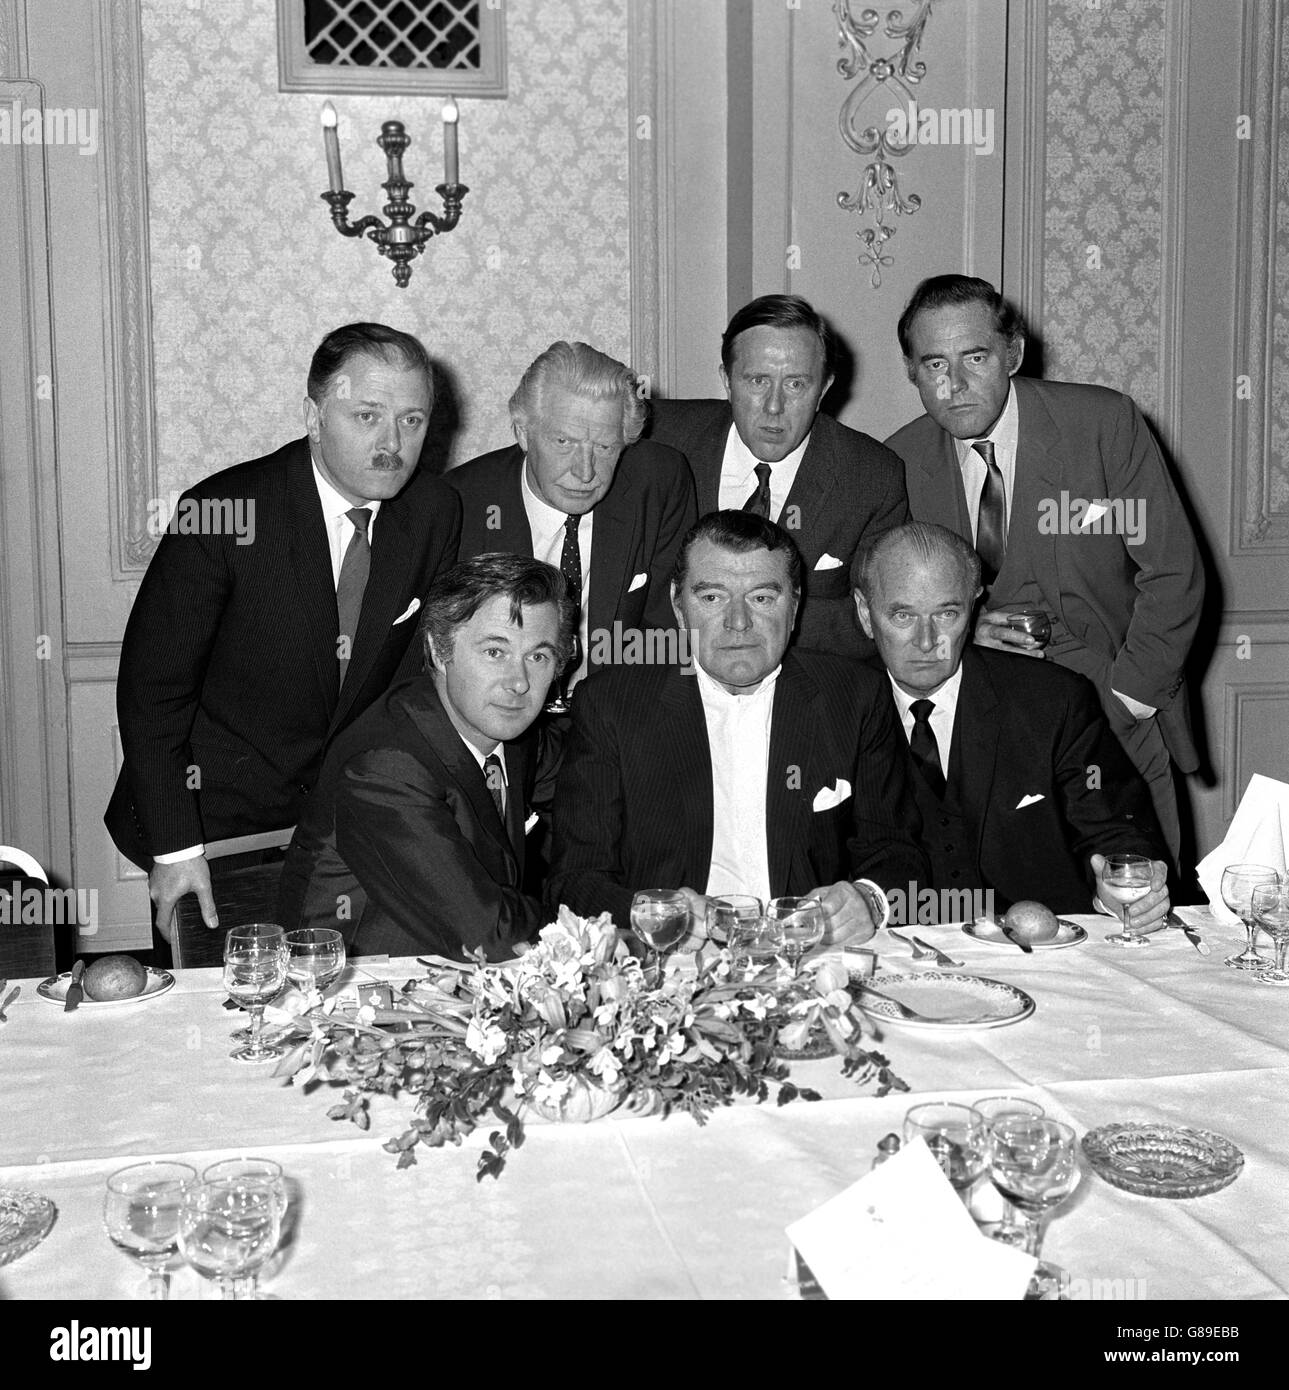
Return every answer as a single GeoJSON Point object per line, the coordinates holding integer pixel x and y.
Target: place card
{"type": "Point", "coordinates": [901, 1231]}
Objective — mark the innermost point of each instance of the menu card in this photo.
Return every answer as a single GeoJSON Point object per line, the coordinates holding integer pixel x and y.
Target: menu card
{"type": "Point", "coordinates": [902, 1232]}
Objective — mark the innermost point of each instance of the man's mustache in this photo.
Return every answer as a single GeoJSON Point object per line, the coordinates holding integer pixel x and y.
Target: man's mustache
{"type": "Point", "coordinates": [386, 460]}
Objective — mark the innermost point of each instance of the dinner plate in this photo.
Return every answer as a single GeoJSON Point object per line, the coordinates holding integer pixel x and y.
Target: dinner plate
{"type": "Point", "coordinates": [1067, 934]}
{"type": "Point", "coordinates": [25, 1219]}
{"type": "Point", "coordinates": [54, 990]}
{"type": "Point", "coordinates": [1162, 1160]}
{"type": "Point", "coordinates": [946, 1000]}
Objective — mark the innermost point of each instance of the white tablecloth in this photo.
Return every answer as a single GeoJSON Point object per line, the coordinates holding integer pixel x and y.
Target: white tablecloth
{"type": "Point", "coordinates": [644, 1208]}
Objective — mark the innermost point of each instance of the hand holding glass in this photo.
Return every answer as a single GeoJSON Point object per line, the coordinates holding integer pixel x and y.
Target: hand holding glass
{"type": "Point", "coordinates": [1238, 883]}
{"type": "Point", "coordinates": [1127, 878]}
{"type": "Point", "coordinates": [141, 1215]}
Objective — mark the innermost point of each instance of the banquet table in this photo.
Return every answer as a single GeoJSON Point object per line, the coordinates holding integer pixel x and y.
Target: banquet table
{"type": "Point", "coordinates": [640, 1207]}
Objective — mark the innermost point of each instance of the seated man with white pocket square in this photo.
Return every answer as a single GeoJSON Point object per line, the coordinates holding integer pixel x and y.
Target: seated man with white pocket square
{"type": "Point", "coordinates": [766, 449]}
{"type": "Point", "coordinates": [754, 769]}
{"type": "Point", "coordinates": [1023, 788]}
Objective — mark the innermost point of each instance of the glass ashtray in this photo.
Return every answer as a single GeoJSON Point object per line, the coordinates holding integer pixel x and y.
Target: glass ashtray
{"type": "Point", "coordinates": [25, 1219]}
{"type": "Point", "coordinates": [1162, 1160]}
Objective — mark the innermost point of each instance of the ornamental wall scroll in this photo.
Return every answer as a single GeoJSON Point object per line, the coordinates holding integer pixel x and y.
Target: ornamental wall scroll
{"type": "Point", "coordinates": [895, 75]}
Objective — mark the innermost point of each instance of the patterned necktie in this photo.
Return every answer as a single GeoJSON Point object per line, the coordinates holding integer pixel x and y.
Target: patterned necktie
{"type": "Point", "coordinates": [354, 569]}
{"type": "Point", "coordinates": [759, 502]}
{"type": "Point", "coordinates": [925, 750]}
{"type": "Point", "coordinates": [495, 777]}
{"type": "Point", "coordinates": [570, 566]}
{"type": "Point", "coordinates": [991, 525]}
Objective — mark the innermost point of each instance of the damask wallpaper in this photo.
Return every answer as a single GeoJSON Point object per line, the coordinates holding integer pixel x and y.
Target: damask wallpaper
{"type": "Point", "coordinates": [248, 272]}
{"type": "Point", "coordinates": [1279, 452]}
{"type": "Point", "coordinates": [1105, 153]}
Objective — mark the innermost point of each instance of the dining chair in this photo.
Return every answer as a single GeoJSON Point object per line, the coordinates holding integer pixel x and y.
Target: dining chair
{"type": "Point", "coordinates": [25, 948]}
{"type": "Point", "coordinates": [244, 876]}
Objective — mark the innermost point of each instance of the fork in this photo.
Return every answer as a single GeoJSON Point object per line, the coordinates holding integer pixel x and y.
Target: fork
{"type": "Point", "coordinates": [920, 951]}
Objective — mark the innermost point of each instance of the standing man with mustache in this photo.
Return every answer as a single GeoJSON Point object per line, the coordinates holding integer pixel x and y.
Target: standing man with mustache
{"type": "Point", "coordinates": [245, 654]}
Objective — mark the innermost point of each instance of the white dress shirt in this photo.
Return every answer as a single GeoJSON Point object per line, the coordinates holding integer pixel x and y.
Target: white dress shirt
{"type": "Point", "coordinates": [738, 736]}
{"type": "Point", "coordinates": [738, 474]}
{"type": "Point", "coordinates": [546, 526]}
{"type": "Point", "coordinates": [500, 750]}
{"type": "Point", "coordinates": [941, 718]}
{"type": "Point", "coordinates": [1004, 436]}
{"type": "Point", "coordinates": [340, 531]}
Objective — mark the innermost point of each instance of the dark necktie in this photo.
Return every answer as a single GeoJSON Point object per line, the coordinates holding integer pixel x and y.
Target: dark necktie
{"type": "Point", "coordinates": [354, 569]}
{"type": "Point", "coordinates": [570, 566]}
{"type": "Point", "coordinates": [925, 750]}
{"type": "Point", "coordinates": [991, 524]}
{"type": "Point", "coordinates": [495, 777]}
{"type": "Point", "coordinates": [759, 502]}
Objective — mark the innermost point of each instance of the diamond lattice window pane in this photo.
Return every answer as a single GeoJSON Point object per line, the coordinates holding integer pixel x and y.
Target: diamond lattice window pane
{"type": "Point", "coordinates": [440, 36]}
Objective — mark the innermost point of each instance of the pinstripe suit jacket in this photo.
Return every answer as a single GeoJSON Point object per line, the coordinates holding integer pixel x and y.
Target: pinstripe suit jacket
{"type": "Point", "coordinates": [633, 803]}
{"type": "Point", "coordinates": [229, 688]}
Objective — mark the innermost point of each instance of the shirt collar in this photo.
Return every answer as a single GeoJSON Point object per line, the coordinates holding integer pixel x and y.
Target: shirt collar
{"type": "Point", "coordinates": [946, 697]}
{"type": "Point", "coordinates": [498, 748]}
{"type": "Point", "coordinates": [333, 505]}
{"type": "Point", "coordinates": [745, 456]}
{"type": "Point", "coordinates": [713, 691]}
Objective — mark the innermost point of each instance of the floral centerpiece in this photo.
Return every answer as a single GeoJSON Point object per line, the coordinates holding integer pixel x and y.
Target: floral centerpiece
{"type": "Point", "coordinates": [571, 1029]}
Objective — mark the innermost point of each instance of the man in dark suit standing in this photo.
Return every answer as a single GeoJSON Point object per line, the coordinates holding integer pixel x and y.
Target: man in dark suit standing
{"type": "Point", "coordinates": [414, 838]}
{"type": "Point", "coordinates": [249, 648]}
{"type": "Point", "coordinates": [759, 770]}
{"type": "Point", "coordinates": [579, 492]}
{"type": "Point", "coordinates": [1063, 491]}
{"type": "Point", "coordinates": [1022, 787]}
{"type": "Point", "coordinates": [767, 450]}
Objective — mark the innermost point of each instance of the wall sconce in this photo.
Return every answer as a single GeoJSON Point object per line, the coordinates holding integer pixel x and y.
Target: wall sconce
{"type": "Point", "coordinates": [400, 240]}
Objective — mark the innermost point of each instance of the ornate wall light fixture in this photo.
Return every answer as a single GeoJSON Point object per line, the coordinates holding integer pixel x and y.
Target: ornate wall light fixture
{"type": "Point", "coordinates": [896, 75]}
{"type": "Point", "coordinates": [401, 240]}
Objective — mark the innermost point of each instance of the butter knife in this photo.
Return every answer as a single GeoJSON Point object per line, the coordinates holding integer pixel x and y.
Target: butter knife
{"type": "Point", "coordinates": [75, 990]}
{"type": "Point", "coordinates": [1012, 937]}
{"type": "Point", "coordinates": [1190, 934]}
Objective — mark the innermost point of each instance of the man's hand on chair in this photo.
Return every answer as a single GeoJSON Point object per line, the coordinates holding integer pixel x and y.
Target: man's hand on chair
{"type": "Point", "coordinates": [167, 883]}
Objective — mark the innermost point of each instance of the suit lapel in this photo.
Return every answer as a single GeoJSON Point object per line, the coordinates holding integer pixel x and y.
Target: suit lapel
{"type": "Point", "coordinates": [310, 560]}
{"type": "Point", "coordinates": [943, 499]}
{"type": "Point", "coordinates": [812, 489]}
{"type": "Point", "coordinates": [789, 771]}
{"type": "Point", "coordinates": [513, 536]}
{"type": "Point", "coordinates": [613, 543]}
{"type": "Point", "coordinates": [706, 454]}
{"type": "Point", "coordinates": [1039, 470]}
{"type": "Point", "coordinates": [687, 763]}
{"type": "Point", "coordinates": [974, 752]}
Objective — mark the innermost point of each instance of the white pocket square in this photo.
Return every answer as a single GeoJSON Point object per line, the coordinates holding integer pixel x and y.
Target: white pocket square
{"type": "Point", "coordinates": [828, 797]}
{"type": "Point", "coordinates": [1028, 801]}
{"type": "Point", "coordinates": [1095, 511]}
{"type": "Point", "coordinates": [530, 822]}
{"type": "Point", "coordinates": [827, 562]}
{"type": "Point", "coordinates": [637, 583]}
{"type": "Point", "coordinates": [407, 612]}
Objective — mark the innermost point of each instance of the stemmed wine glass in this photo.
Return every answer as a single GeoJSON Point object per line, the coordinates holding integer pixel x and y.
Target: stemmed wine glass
{"type": "Point", "coordinates": [1238, 883]}
{"type": "Point", "coordinates": [1126, 879]}
{"type": "Point", "coordinates": [315, 957]}
{"type": "Point", "coordinates": [1033, 1163]}
{"type": "Point", "coordinates": [729, 913]}
{"type": "Point", "coordinates": [995, 1108]}
{"type": "Point", "coordinates": [228, 1228]}
{"type": "Point", "coordinates": [957, 1137]}
{"type": "Point", "coordinates": [141, 1215]}
{"type": "Point", "coordinates": [802, 922]}
{"type": "Point", "coordinates": [1271, 912]}
{"type": "Point", "coordinates": [659, 918]}
{"type": "Point", "coordinates": [254, 971]}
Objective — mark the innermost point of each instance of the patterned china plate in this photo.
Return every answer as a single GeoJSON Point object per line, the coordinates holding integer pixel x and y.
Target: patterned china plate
{"type": "Point", "coordinates": [946, 1001]}
{"type": "Point", "coordinates": [1067, 934]}
{"type": "Point", "coordinates": [1162, 1160]}
{"type": "Point", "coordinates": [25, 1219]}
{"type": "Point", "coordinates": [54, 990]}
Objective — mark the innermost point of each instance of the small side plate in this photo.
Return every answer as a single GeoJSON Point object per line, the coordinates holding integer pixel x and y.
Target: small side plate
{"type": "Point", "coordinates": [25, 1219]}
{"type": "Point", "coordinates": [1067, 934]}
{"type": "Point", "coordinates": [54, 990]}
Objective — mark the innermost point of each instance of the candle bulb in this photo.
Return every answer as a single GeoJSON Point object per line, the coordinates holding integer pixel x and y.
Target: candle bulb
{"type": "Point", "coordinates": [451, 163]}
{"type": "Point", "coordinates": [331, 140]}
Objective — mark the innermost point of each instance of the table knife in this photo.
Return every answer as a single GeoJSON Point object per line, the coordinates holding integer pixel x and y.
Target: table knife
{"type": "Point", "coordinates": [75, 990]}
{"type": "Point", "coordinates": [1013, 938]}
{"type": "Point", "coordinates": [1190, 933]}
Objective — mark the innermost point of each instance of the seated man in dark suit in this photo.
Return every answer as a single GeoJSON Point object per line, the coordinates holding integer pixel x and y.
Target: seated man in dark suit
{"type": "Point", "coordinates": [413, 840]}
{"type": "Point", "coordinates": [1022, 786]}
{"type": "Point", "coordinates": [767, 450]}
{"type": "Point", "coordinates": [759, 770]}
{"type": "Point", "coordinates": [579, 492]}
{"type": "Point", "coordinates": [248, 649]}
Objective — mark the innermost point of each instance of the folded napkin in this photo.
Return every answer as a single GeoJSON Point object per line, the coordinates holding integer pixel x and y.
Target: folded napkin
{"type": "Point", "coordinates": [1258, 834]}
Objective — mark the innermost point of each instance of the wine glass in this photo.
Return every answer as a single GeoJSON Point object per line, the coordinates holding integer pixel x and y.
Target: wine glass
{"type": "Point", "coordinates": [262, 1169]}
{"type": "Point", "coordinates": [1033, 1163]}
{"type": "Point", "coordinates": [995, 1108]}
{"type": "Point", "coordinates": [802, 921]}
{"type": "Point", "coordinates": [754, 943]}
{"type": "Point", "coordinates": [659, 918]}
{"type": "Point", "coordinates": [141, 1215]}
{"type": "Point", "coordinates": [729, 912]}
{"type": "Point", "coordinates": [1238, 883]}
{"type": "Point", "coordinates": [957, 1137]}
{"type": "Point", "coordinates": [254, 971]}
{"type": "Point", "coordinates": [1270, 904]}
{"type": "Point", "coordinates": [315, 957]}
{"type": "Point", "coordinates": [1033, 621]}
{"type": "Point", "coordinates": [1126, 879]}
{"type": "Point", "coordinates": [228, 1228]}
